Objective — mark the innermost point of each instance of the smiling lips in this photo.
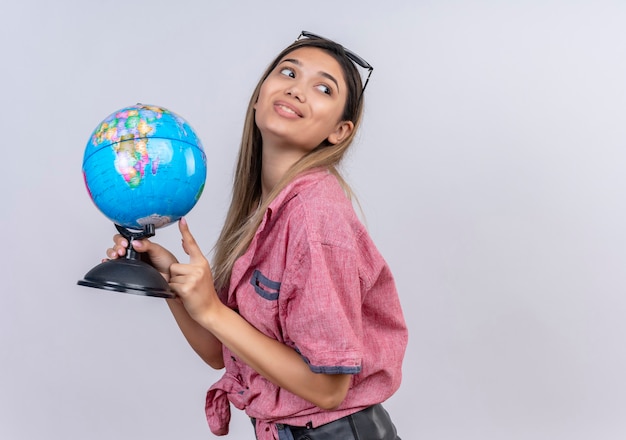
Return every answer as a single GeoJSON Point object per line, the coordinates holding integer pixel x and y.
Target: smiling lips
{"type": "Point", "coordinates": [284, 109]}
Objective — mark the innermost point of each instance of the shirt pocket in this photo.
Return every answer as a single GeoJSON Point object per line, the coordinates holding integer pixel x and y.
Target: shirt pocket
{"type": "Point", "coordinates": [265, 287]}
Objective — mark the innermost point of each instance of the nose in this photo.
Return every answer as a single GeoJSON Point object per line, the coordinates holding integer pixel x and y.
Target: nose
{"type": "Point", "coordinates": [295, 92]}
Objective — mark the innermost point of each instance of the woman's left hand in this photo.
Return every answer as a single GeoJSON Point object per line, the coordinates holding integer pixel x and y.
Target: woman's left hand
{"type": "Point", "coordinates": [193, 282]}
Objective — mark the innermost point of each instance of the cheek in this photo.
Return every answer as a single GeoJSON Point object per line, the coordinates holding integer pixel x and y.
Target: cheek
{"type": "Point", "coordinates": [332, 116]}
{"type": "Point", "coordinates": [261, 102]}
{"type": "Point", "coordinates": [261, 97]}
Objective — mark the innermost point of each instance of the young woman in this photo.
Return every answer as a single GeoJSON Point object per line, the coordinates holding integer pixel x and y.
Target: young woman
{"type": "Point", "coordinates": [299, 307]}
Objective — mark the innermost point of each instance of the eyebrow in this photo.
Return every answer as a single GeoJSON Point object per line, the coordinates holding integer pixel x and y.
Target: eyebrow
{"type": "Point", "coordinates": [321, 72]}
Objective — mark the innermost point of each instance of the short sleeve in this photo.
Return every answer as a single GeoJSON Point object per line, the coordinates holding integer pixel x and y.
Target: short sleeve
{"type": "Point", "coordinates": [322, 310]}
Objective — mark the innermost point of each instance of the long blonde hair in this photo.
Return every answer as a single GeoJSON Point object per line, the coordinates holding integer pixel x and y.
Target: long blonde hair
{"type": "Point", "coordinates": [246, 212]}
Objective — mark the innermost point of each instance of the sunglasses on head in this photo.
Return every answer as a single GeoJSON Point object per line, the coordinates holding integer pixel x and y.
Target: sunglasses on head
{"type": "Point", "coordinates": [356, 59]}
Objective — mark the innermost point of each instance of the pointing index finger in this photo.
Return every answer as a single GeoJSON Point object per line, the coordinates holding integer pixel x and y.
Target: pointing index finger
{"type": "Point", "coordinates": [189, 242]}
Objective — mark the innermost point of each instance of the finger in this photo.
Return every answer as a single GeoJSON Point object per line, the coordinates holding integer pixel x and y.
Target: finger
{"type": "Point", "coordinates": [119, 247]}
{"type": "Point", "coordinates": [181, 284]}
{"type": "Point", "coordinates": [180, 269]}
{"type": "Point", "coordinates": [119, 239]}
{"type": "Point", "coordinates": [190, 246]}
{"type": "Point", "coordinates": [115, 252]}
{"type": "Point", "coordinates": [141, 245]}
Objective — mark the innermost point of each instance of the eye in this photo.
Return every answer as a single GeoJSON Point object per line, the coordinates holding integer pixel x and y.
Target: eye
{"type": "Point", "coordinates": [287, 72]}
{"type": "Point", "coordinates": [324, 89]}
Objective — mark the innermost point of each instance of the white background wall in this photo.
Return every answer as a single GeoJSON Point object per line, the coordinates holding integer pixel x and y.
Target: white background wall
{"type": "Point", "coordinates": [490, 166]}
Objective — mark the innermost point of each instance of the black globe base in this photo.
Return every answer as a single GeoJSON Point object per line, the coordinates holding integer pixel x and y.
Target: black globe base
{"type": "Point", "coordinates": [129, 274]}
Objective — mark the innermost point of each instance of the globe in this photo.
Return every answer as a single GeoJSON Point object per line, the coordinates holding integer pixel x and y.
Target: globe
{"type": "Point", "coordinates": [144, 168]}
{"type": "Point", "coordinates": [144, 165]}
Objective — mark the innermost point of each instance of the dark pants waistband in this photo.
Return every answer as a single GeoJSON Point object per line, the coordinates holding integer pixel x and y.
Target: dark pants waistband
{"type": "Point", "coordinates": [372, 423]}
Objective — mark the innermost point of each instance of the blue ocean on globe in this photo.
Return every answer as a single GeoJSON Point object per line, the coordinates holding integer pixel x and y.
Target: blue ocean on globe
{"type": "Point", "coordinates": [144, 165]}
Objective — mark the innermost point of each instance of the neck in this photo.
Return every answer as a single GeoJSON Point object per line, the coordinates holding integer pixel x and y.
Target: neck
{"type": "Point", "coordinates": [276, 160]}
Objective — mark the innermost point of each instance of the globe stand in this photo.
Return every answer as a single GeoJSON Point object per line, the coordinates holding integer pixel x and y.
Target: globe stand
{"type": "Point", "coordinates": [129, 274]}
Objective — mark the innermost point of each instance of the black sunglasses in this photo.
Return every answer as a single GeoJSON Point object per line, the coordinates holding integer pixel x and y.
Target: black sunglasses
{"type": "Point", "coordinates": [353, 57]}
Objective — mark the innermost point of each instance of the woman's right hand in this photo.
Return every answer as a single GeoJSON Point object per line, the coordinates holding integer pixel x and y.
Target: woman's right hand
{"type": "Point", "coordinates": [159, 257]}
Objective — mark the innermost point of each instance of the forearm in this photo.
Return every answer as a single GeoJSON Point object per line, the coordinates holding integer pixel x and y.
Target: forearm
{"type": "Point", "coordinates": [207, 346]}
{"type": "Point", "coordinates": [275, 361]}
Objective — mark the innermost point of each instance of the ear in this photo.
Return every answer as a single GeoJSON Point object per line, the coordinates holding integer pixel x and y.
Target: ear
{"type": "Point", "coordinates": [342, 131]}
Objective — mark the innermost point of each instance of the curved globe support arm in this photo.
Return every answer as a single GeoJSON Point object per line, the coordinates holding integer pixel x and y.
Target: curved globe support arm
{"type": "Point", "coordinates": [147, 232]}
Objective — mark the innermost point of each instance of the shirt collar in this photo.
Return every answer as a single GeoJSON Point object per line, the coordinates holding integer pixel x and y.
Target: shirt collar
{"type": "Point", "coordinates": [293, 188]}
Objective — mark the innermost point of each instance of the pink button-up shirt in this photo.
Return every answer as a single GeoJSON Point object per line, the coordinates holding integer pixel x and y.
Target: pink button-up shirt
{"type": "Point", "coordinates": [313, 280]}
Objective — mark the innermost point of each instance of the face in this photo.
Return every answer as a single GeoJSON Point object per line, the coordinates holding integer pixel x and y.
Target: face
{"type": "Point", "coordinates": [301, 102]}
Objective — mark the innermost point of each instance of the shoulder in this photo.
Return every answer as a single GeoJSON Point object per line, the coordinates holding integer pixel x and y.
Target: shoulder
{"type": "Point", "coordinates": [322, 210]}
{"type": "Point", "coordinates": [325, 191]}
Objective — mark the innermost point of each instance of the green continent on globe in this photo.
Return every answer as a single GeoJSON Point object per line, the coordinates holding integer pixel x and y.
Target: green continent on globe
{"type": "Point", "coordinates": [127, 131]}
